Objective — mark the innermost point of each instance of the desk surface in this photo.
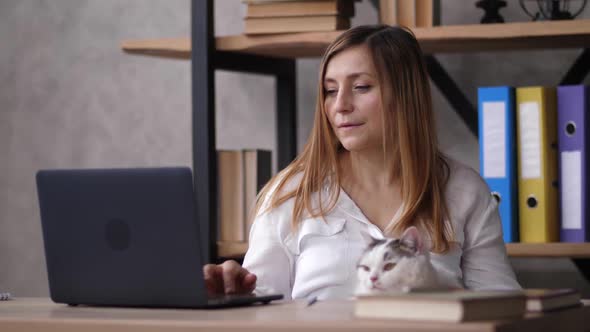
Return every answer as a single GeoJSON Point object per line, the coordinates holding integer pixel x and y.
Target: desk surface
{"type": "Point", "coordinates": [32, 314]}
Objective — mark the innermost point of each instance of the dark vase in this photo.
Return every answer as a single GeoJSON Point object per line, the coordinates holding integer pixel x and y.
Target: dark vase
{"type": "Point", "coordinates": [491, 10]}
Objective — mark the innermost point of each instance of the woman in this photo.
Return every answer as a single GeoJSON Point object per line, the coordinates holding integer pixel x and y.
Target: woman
{"type": "Point", "coordinates": [371, 168]}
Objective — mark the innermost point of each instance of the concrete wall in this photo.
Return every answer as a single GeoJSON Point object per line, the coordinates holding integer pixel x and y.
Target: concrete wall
{"type": "Point", "coordinates": [71, 98]}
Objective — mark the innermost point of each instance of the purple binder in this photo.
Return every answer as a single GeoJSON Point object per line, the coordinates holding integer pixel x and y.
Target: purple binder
{"type": "Point", "coordinates": [574, 146]}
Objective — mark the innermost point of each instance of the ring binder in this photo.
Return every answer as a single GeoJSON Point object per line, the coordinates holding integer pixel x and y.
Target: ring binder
{"type": "Point", "coordinates": [537, 166]}
{"type": "Point", "coordinates": [497, 139]}
{"type": "Point", "coordinates": [574, 147]}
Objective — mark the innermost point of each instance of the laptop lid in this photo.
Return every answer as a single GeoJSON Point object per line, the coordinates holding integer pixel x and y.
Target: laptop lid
{"type": "Point", "coordinates": [121, 237]}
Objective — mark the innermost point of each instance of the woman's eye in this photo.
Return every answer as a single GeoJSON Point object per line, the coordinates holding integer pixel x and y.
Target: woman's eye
{"type": "Point", "coordinates": [362, 88]}
{"type": "Point", "coordinates": [330, 92]}
{"type": "Point", "coordinates": [388, 266]}
{"type": "Point", "coordinates": [364, 268]}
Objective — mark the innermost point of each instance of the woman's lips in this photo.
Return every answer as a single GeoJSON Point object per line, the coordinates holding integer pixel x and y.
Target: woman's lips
{"type": "Point", "coordinates": [350, 125]}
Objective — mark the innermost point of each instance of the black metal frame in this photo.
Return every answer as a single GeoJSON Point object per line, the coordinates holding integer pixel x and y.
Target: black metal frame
{"type": "Point", "coordinates": [461, 104]}
{"type": "Point", "coordinates": [452, 93]}
{"type": "Point", "coordinates": [203, 123]}
{"type": "Point", "coordinates": [284, 71]}
{"type": "Point", "coordinates": [579, 70]}
{"type": "Point", "coordinates": [205, 60]}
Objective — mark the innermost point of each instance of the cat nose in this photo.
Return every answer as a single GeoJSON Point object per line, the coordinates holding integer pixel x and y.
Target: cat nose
{"type": "Point", "coordinates": [373, 278]}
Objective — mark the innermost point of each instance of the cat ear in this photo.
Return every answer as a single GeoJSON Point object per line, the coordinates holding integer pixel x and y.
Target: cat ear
{"type": "Point", "coordinates": [412, 238]}
{"type": "Point", "coordinates": [375, 242]}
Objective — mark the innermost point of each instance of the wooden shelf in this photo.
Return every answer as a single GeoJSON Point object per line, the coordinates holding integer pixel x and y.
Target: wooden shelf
{"type": "Point", "coordinates": [554, 250]}
{"type": "Point", "coordinates": [177, 48]}
{"type": "Point", "coordinates": [231, 249]}
{"type": "Point", "coordinates": [565, 250]}
{"type": "Point", "coordinates": [442, 39]}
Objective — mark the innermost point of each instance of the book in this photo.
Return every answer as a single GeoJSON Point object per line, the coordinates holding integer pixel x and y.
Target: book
{"type": "Point", "coordinates": [249, 2]}
{"type": "Point", "coordinates": [536, 120]}
{"type": "Point", "coordinates": [242, 173]}
{"type": "Point", "coordinates": [271, 1]}
{"type": "Point", "coordinates": [301, 8]}
{"type": "Point", "coordinates": [540, 300]}
{"type": "Point", "coordinates": [255, 2]}
{"type": "Point", "coordinates": [406, 13]}
{"type": "Point", "coordinates": [231, 196]}
{"type": "Point", "coordinates": [410, 13]}
{"type": "Point", "coordinates": [387, 12]}
{"type": "Point", "coordinates": [447, 306]}
{"type": "Point", "coordinates": [427, 13]}
{"type": "Point", "coordinates": [268, 25]}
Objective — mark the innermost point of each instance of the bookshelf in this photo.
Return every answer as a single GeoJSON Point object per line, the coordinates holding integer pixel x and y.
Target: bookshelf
{"type": "Point", "coordinates": [276, 54]}
{"type": "Point", "coordinates": [520, 250]}
{"type": "Point", "coordinates": [570, 250]}
{"type": "Point", "coordinates": [578, 253]}
{"type": "Point", "coordinates": [441, 39]}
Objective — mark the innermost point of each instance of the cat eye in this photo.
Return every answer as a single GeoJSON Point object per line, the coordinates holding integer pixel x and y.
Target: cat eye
{"type": "Point", "coordinates": [364, 267]}
{"type": "Point", "coordinates": [388, 266]}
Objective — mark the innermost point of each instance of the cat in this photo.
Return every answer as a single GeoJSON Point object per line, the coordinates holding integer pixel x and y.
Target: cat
{"type": "Point", "coordinates": [396, 265]}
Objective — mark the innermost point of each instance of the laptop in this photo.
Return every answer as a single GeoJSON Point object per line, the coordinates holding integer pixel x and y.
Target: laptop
{"type": "Point", "coordinates": [125, 237]}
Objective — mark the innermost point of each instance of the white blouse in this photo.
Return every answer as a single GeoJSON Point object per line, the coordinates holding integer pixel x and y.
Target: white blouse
{"type": "Point", "coordinates": [320, 258]}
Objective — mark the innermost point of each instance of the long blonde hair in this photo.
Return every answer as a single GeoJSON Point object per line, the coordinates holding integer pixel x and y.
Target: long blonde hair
{"type": "Point", "coordinates": [409, 142]}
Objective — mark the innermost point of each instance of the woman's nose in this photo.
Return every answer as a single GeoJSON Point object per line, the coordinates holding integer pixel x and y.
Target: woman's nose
{"type": "Point", "coordinates": [343, 101]}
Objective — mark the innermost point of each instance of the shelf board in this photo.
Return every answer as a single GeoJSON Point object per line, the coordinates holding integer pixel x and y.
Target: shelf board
{"type": "Point", "coordinates": [228, 249]}
{"type": "Point", "coordinates": [177, 48]}
{"type": "Point", "coordinates": [441, 39]}
{"type": "Point", "coordinates": [565, 250]}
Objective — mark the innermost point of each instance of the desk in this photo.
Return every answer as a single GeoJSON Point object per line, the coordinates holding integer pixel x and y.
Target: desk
{"type": "Point", "coordinates": [40, 314]}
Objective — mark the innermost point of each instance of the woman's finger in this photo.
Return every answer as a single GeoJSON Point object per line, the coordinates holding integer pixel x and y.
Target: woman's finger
{"type": "Point", "coordinates": [230, 272]}
{"type": "Point", "coordinates": [213, 279]}
{"type": "Point", "coordinates": [248, 282]}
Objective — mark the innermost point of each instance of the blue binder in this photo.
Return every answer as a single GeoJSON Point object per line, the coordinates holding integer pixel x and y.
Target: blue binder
{"type": "Point", "coordinates": [497, 152]}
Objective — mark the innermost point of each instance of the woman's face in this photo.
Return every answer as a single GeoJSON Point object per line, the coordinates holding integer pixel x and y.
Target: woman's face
{"type": "Point", "coordinates": [353, 99]}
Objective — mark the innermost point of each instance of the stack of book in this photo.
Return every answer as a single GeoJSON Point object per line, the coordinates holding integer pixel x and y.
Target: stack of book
{"type": "Point", "coordinates": [447, 306]}
{"type": "Point", "coordinates": [542, 300]}
{"type": "Point", "coordinates": [464, 305]}
{"type": "Point", "coordinates": [241, 175]}
{"type": "Point", "coordinates": [287, 16]}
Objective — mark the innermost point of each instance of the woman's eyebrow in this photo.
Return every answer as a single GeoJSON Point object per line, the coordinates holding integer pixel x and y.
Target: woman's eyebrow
{"type": "Point", "coordinates": [348, 76]}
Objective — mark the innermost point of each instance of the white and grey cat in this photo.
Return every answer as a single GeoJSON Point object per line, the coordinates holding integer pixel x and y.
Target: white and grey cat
{"type": "Point", "coordinates": [396, 265]}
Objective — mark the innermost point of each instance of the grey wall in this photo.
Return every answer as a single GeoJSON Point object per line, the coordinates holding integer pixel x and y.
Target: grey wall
{"type": "Point", "coordinates": [71, 98]}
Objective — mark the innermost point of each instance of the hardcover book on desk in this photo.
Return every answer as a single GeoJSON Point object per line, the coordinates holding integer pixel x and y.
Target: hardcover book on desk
{"type": "Point", "coordinates": [540, 300]}
{"type": "Point", "coordinates": [447, 306]}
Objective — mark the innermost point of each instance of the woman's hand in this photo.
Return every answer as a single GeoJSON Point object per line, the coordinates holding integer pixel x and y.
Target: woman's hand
{"type": "Point", "coordinates": [228, 278]}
